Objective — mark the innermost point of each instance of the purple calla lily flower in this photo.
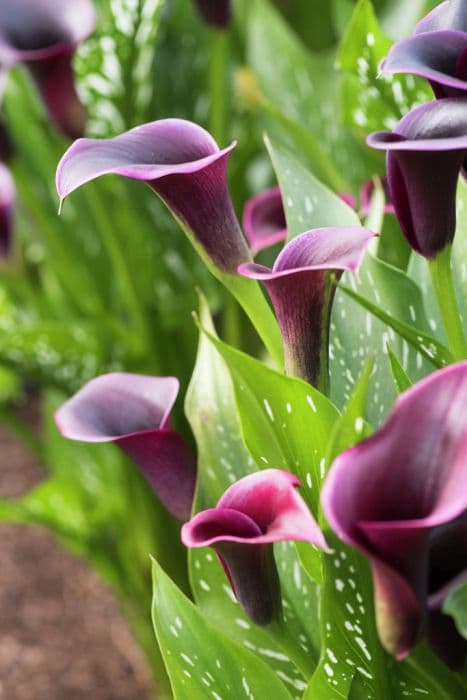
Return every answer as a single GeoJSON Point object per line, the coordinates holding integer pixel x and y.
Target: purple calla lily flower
{"type": "Point", "coordinates": [216, 13]}
{"type": "Point", "coordinates": [301, 286]}
{"type": "Point", "coordinates": [133, 411]}
{"type": "Point", "coordinates": [426, 152]}
{"type": "Point", "coordinates": [448, 15]}
{"type": "Point", "coordinates": [182, 163]}
{"type": "Point", "coordinates": [7, 210]}
{"type": "Point", "coordinates": [253, 513]}
{"type": "Point", "coordinates": [401, 498]}
{"type": "Point", "coordinates": [44, 34]}
{"type": "Point", "coordinates": [439, 56]}
{"type": "Point", "coordinates": [264, 220]}
{"type": "Point", "coordinates": [366, 193]}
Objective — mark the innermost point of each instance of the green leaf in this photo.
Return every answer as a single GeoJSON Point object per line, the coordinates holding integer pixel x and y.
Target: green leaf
{"type": "Point", "coordinates": [300, 87]}
{"type": "Point", "coordinates": [372, 103]}
{"type": "Point", "coordinates": [223, 459]}
{"type": "Point", "coordinates": [400, 376]}
{"type": "Point", "coordinates": [456, 606]}
{"type": "Point", "coordinates": [200, 661]}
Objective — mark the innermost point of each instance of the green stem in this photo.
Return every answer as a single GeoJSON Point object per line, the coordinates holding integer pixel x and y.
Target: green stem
{"type": "Point", "coordinates": [441, 274]}
{"type": "Point", "coordinates": [280, 632]}
{"type": "Point", "coordinates": [218, 84]}
{"type": "Point", "coordinates": [121, 270]}
{"type": "Point", "coordinates": [445, 684]}
{"type": "Point", "coordinates": [231, 322]}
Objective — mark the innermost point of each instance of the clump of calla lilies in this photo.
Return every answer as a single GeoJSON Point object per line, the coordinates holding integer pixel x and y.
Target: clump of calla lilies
{"type": "Point", "coordinates": [396, 499]}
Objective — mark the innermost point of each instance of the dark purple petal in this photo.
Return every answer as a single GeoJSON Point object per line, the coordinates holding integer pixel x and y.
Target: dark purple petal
{"type": "Point", "coordinates": [264, 219]}
{"type": "Point", "coordinates": [185, 167]}
{"type": "Point", "coordinates": [134, 411]}
{"type": "Point", "coordinates": [43, 34]}
{"type": "Point", "coordinates": [392, 494]}
{"type": "Point", "coordinates": [437, 56]}
{"type": "Point", "coordinates": [448, 15]}
{"type": "Point", "coordinates": [255, 512]}
{"type": "Point", "coordinates": [301, 292]}
{"type": "Point", "coordinates": [7, 210]}
{"type": "Point", "coordinates": [425, 154]}
{"type": "Point", "coordinates": [217, 13]}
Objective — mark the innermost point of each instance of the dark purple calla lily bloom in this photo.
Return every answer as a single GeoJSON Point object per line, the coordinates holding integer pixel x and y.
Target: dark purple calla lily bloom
{"type": "Point", "coordinates": [426, 152]}
{"type": "Point", "coordinates": [448, 15]}
{"type": "Point", "coordinates": [301, 285]}
{"type": "Point", "coordinates": [183, 165]}
{"type": "Point", "coordinates": [44, 34]}
{"type": "Point", "coordinates": [439, 56]}
{"type": "Point", "coordinates": [7, 210]}
{"type": "Point", "coordinates": [216, 13]}
{"type": "Point", "coordinates": [255, 512]}
{"type": "Point", "coordinates": [401, 498]}
{"type": "Point", "coordinates": [133, 411]}
{"type": "Point", "coordinates": [264, 220]}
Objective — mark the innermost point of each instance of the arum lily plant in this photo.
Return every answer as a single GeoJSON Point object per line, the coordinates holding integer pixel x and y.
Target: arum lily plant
{"type": "Point", "coordinates": [400, 497]}
{"type": "Point", "coordinates": [133, 411]}
{"type": "Point", "coordinates": [43, 35]}
{"type": "Point", "coordinates": [301, 285]}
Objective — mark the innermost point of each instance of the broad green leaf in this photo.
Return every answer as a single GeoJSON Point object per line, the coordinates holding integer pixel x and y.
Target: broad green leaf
{"type": "Point", "coordinates": [372, 103]}
{"type": "Point", "coordinates": [301, 87]}
{"type": "Point", "coordinates": [355, 332]}
{"type": "Point", "coordinates": [201, 661]}
{"type": "Point", "coordinates": [223, 459]}
{"type": "Point", "coordinates": [456, 606]}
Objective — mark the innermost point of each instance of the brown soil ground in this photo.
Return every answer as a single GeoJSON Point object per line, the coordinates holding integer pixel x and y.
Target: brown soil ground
{"type": "Point", "coordinates": [61, 634]}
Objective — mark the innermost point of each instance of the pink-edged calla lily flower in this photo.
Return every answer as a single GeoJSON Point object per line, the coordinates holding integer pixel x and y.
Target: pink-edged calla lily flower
{"type": "Point", "coordinates": [7, 210]}
{"type": "Point", "coordinates": [253, 513]}
{"type": "Point", "coordinates": [133, 411]}
{"type": "Point", "coordinates": [44, 34]}
{"type": "Point", "coordinates": [264, 220]}
{"type": "Point", "coordinates": [401, 498]}
{"type": "Point", "coordinates": [264, 216]}
{"type": "Point", "coordinates": [426, 151]}
{"type": "Point", "coordinates": [449, 15]}
{"type": "Point", "coordinates": [301, 286]}
{"type": "Point", "coordinates": [438, 56]}
{"type": "Point", "coordinates": [216, 13]}
{"type": "Point", "coordinates": [182, 163]}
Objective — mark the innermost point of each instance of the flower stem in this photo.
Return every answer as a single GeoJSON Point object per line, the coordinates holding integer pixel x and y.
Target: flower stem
{"type": "Point", "coordinates": [218, 84]}
{"type": "Point", "coordinates": [441, 274]}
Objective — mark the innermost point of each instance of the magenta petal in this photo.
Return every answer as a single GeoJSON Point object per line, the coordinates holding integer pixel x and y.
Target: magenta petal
{"type": "Point", "coordinates": [366, 193]}
{"type": "Point", "coordinates": [264, 219]}
{"type": "Point", "coordinates": [7, 210]}
{"type": "Point", "coordinates": [392, 494]}
{"type": "Point", "coordinates": [301, 292]}
{"type": "Point", "coordinates": [255, 512]}
{"type": "Point", "coordinates": [44, 34]}
{"type": "Point", "coordinates": [426, 152]}
{"type": "Point", "coordinates": [217, 13]}
{"type": "Point", "coordinates": [434, 56]}
{"type": "Point", "coordinates": [133, 411]}
{"type": "Point", "coordinates": [185, 167]}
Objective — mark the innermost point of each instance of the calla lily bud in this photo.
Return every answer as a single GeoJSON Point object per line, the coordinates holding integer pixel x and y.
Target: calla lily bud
{"type": "Point", "coordinates": [255, 512]}
{"type": "Point", "coordinates": [43, 35]}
